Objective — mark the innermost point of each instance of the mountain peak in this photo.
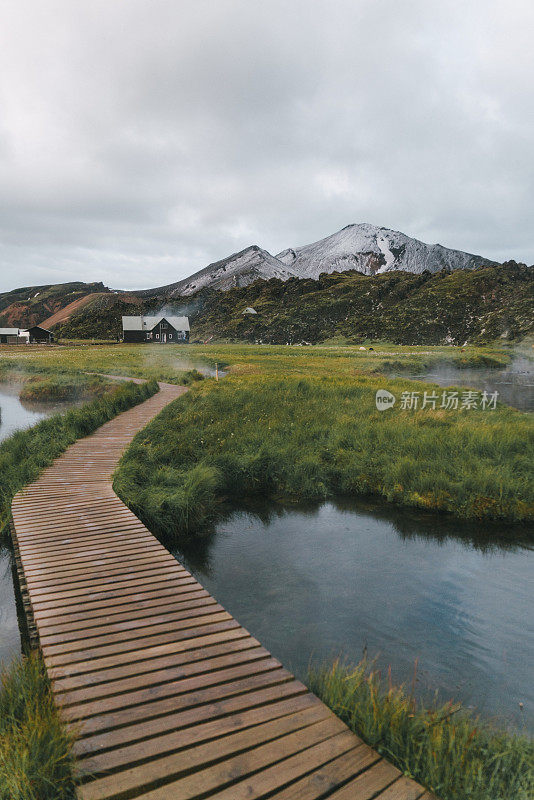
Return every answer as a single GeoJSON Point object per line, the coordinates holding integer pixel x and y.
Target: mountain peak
{"type": "Point", "coordinates": [371, 249]}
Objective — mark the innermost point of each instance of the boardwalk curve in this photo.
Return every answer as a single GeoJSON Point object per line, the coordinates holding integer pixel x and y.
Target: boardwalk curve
{"type": "Point", "coordinates": [168, 696]}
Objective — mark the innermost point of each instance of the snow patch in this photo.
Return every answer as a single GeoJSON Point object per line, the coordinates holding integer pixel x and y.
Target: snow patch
{"type": "Point", "coordinates": [383, 245]}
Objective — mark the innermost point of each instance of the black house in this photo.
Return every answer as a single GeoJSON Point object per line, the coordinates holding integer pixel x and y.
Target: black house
{"type": "Point", "coordinates": [38, 335]}
{"type": "Point", "coordinates": [156, 329]}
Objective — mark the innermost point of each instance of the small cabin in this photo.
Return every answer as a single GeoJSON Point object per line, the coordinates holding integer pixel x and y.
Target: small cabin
{"type": "Point", "coordinates": [250, 310]}
{"type": "Point", "coordinates": [12, 336]}
{"type": "Point", "coordinates": [39, 335]}
{"type": "Point", "coordinates": [155, 329]}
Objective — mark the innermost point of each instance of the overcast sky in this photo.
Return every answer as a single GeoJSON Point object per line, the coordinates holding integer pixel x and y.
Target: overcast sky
{"type": "Point", "coordinates": [142, 139]}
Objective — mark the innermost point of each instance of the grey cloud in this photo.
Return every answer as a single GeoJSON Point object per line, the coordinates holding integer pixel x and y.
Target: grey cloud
{"type": "Point", "coordinates": [139, 141]}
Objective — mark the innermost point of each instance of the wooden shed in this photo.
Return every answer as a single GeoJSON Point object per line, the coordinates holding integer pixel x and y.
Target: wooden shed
{"type": "Point", "coordinates": [12, 336]}
{"type": "Point", "coordinates": [39, 335]}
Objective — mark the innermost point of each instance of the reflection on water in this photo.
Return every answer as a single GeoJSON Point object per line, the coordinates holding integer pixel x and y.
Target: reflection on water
{"type": "Point", "coordinates": [515, 384]}
{"type": "Point", "coordinates": [341, 577]}
{"type": "Point", "coordinates": [10, 644]}
{"type": "Point", "coordinates": [16, 414]}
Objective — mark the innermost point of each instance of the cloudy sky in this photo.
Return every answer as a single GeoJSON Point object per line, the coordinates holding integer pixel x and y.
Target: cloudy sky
{"type": "Point", "coordinates": [142, 139]}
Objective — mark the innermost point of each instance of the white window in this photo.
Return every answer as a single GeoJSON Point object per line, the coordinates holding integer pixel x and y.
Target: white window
{"type": "Point", "coordinates": [148, 335]}
{"type": "Point", "coordinates": [170, 335]}
{"type": "Point", "coordinates": [157, 335]}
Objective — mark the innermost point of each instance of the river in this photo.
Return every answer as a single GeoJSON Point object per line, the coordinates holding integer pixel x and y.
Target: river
{"type": "Point", "coordinates": [341, 578]}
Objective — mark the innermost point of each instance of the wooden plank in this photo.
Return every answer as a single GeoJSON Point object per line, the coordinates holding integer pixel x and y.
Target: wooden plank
{"type": "Point", "coordinates": [168, 705]}
{"type": "Point", "coordinates": [321, 781]}
{"type": "Point", "coordinates": [116, 648]}
{"type": "Point", "coordinates": [196, 657]}
{"type": "Point", "coordinates": [133, 616]}
{"type": "Point", "coordinates": [370, 783]}
{"type": "Point", "coordinates": [298, 752]}
{"type": "Point", "coordinates": [163, 675]}
{"type": "Point", "coordinates": [134, 637]}
{"type": "Point", "coordinates": [321, 764]}
{"type": "Point", "coordinates": [125, 610]}
{"type": "Point", "coordinates": [176, 740]}
{"type": "Point", "coordinates": [172, 688]}
{"type": "Point", "coordinates": [192, 717]}
{"type": "Point", "coordinates": [295, 729]}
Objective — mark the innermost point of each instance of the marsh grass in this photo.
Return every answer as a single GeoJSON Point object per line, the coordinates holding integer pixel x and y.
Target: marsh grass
{"type": "Point", "coordinates": [443, 746]}
{"type": "Point", "coordinates": [63, 387]}
{"type": "Point", "coordinates": [311, 438]}
{"type": "Point", "coordinates": [35, 748]}
{"type": "Point", "coordinates": [26, 453]}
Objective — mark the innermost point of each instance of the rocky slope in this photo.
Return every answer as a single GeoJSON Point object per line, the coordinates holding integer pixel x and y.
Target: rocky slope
{"type": "Point", "coordinates": [34, 305]}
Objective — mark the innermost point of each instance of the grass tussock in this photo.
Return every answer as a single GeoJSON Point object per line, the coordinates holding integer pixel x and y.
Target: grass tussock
{"type": "Point", "coordinates": [444, 747]}
{"type": "Point", "coordinates": [35, 749]}
{"type": "Point", "coordinates": [64, 387]}
{"type": "Point", "coordinates": [25, 454]}
{"type": "Point", "coordinates": [311, 438]}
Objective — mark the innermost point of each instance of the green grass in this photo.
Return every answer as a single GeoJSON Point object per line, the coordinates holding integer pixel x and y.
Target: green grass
{"type": "Point", "coordinates": [25, 454]}
{"type": "Point", "coordinates": [35, 748]}
{"type": "Point", "coordinates": [310, 438]}
{"type": "Point", "coordinates": [444, 747]}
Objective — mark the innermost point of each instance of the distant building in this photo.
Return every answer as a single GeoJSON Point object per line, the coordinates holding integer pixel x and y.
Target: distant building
{"type": "Point", "coordinates": [12, 336]}
{"type": "Point", "coordinates": [156, 329]}
{"type": "Point", "coordinates": [39, 335]}
{"type": "Point", "coordinates": [250, 310]}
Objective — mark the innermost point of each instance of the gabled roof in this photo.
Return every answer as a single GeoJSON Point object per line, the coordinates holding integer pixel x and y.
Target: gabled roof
{"type": "Point", "coordinates": [132, 323]}
{"type": "Point", "coordinates": [178, 323]}
{"type": "Point", "coordinates": [36, 327]}
{"type": "Point", "coordinates": [250, 310]}
{"type": "Point", "coordinates": [9, 331]}
{"type": "Point", "coordinates": [149, 323]}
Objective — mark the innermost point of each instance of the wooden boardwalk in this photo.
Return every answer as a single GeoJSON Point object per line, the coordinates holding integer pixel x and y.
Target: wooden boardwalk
{"type": "Point", "coordinates": [168, 696]}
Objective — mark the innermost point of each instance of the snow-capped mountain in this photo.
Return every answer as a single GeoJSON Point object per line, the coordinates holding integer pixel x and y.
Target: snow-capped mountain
{"type": "Point", "coordinates": [239, 269]}
{"type": "Point", "coordinates": [371, 249]}
{"type": "Point", "coordinates": [366, 248]}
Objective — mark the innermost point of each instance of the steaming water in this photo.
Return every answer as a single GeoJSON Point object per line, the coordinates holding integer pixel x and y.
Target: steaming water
{"type": "Point", "coordinates": [515, 384]}
{"type": "Point", "coordinates": [320, 582]}
{"type": "Point", "coordinates": [16, 414]}
{"type": "Point", "coordinates": [201, 366]}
